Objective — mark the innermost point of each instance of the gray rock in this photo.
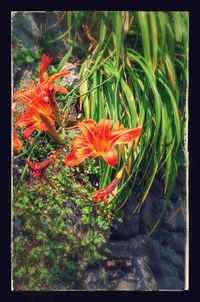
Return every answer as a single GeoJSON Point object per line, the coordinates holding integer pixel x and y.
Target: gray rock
{"type": "Point", "coordinates": [35, 31]}
{"type": "Point", "coordinates": [25, 31]}
{"type": "Point", "coordinates": [26, 77]}
{"type": "Point", "coordinates": [158, 187]}
{"type": "Point", "coordinates": [25, 21]}
{"type": "Point", "coordinates": [163, 261]}
{"type": "Point", "coordinates": [127, 248]}
{"type": "Point", "coordinates": [124, 285]}
{"type": "Point", "coordinates": [171, 256]}
{"type": "Point", "coordinates": [176, 220]}
{"type": "Point", "coordinates": [176, 241]}
{"type": "Point", "coordinates": [151, 210]}
{"type": "Point", "coordinates": [121, 249]}
{"type": "Point", "coordinates": [158, 261]}
{"type": "Point", "coordinates": [29, 34]}
{"type": "Point", "coordinates": [171, 283]}
{"type": "Point", "coordinates": [114, 275]}
{"type": "Point", "coordinates": [151, 248]}
{"type": "Point", "coordinates": [169, 277]}
{"type": "Point", "coordinates": [130, 225]}
{"type": "Point", "coordinates": [144, 274]}
{"type": "Point", "coordinates": [97, 279]}
{"type": "Point", "coordinates": [51, 29]}
{"type": "Point", "coordinates": [71, 79]}
{"type": "Point", "coordinates": [140, 279]}
{"type": "Point", "coordinates": [181, 178]}
{"type": "Point", "coordinates": [25, 40]}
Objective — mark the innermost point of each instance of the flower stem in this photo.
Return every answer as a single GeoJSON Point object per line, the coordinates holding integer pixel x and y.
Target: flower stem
{"type": "Point", "coordinates": [26, 166]}
{"type": "Point", "coordinates": [32, 145]}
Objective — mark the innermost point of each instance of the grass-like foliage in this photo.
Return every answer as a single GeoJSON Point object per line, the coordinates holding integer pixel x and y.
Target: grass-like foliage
{"type": "Point", "coordinates": [134, 70]}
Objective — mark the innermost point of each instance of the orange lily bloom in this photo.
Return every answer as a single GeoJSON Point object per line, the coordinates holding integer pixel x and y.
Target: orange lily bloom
{"type": "Point", "coordinates": [39, 99]}
{"type": "Point", "coordinates": [102, 194]}
{"type": "Point", "coordinates": [40, 167]}
{"type": "Point", "coordinates": [17, 145]}
{"type": "Point", "coordinates": [99, 140]}
{"type": "Point", "coordinates": [31, 119]}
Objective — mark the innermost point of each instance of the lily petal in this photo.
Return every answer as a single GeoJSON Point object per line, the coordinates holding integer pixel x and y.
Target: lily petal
{"type": "Point", "coordinates": [110, 157]}
{"type": "Point", "coordinates": [105, 126]}
{"type": "Point", "coordinates": [46, 60]}
{"type": "Point", "coordinates": [27, 132]}
{"type": "Point", "coordinates": [55, 76]}
{"type": "Point", "coordinates": [124, 136]}
{"type": "Point", "coordinates": [33, 166]}
{"type": "Point", "coordinates": [75, 159]}
{"type": "Point", "coordinates": [88, 128]}
{"type": "Point", "coordinates": [17, 145]}
{"type": "Point", "coordinates": [79, 142]}
{"type": "Point", "coordinates": [44, 164]}
{"type": "Point", "coordinates": [100, 195]}
{"type": "Point", "coordinates": [60, 89]}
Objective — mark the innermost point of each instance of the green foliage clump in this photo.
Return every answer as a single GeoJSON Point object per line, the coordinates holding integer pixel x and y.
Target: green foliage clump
{"type": "Point", "coordinates": [56, 236]}
{"type": "Point", "coordinates": [25, 55]}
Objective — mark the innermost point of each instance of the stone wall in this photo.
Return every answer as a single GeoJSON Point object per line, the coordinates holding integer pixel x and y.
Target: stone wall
{"type": "Point", "coordinates": [158, 261]}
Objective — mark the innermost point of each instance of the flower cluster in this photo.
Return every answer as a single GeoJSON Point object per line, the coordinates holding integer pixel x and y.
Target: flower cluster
{"type": "Point", "coordinates": [96, 140]}
{"type": "Point", "coordinates": [39, 99]}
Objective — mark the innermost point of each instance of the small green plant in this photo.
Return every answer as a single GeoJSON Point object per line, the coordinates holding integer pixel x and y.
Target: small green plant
{"type": "Point", "coordinates": [60, 234]}
{"type": "Point", "coordinates": [25, 55]}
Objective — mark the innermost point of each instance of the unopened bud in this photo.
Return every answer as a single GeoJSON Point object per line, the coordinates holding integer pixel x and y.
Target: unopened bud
{"type": "Point", "coordinates": [66, 117]}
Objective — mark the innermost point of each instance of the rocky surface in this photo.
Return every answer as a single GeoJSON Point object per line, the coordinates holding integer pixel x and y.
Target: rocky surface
{"type": "Point", "coordinates": [158, 261]}
{"type": "Point", "coordinates": [34, 34]}
{"type": "Point", "coordinates": [39, 30]}
{"type": "Point", "coordinates": [137, 278]}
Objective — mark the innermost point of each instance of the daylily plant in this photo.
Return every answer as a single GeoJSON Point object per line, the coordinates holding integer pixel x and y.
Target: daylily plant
{"type": "Point", "coordinates": [39, 99]}
{"type": "Point", "coordinates": [96, 140]}
{"type": "Point", "coordinates": [99, 140]}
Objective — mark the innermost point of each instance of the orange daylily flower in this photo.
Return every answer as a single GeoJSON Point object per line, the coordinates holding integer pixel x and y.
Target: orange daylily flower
{"type": "Point", "coordinates": [44, 64]}
{"type": "Point", "coordinates": [39, 99]}
{"type": "Point", "coordinates": [103, 194]}
{"type": "Point", "coordinates": [40, 167]}
{"type": "Point", "coordinates": [31, 120]}
{"type": "Point", "coordinates": [17, 145]}
{"type": "Point", "coordinates": [99, 140]}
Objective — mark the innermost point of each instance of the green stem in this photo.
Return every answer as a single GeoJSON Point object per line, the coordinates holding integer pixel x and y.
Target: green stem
{"type": "Point", "coordinates": [25, 167]}
{"type": "Point", "coordinates": [94, 87]}
{"type": "Point", "coordinates": [95, 66]}
{"type": "Point", "coordinates": [32, 145]}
